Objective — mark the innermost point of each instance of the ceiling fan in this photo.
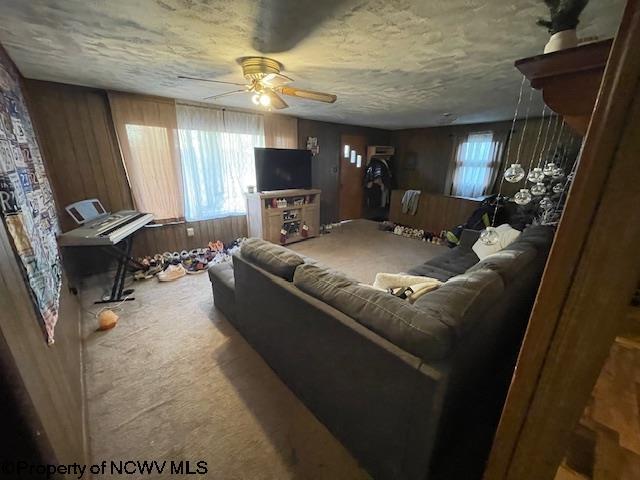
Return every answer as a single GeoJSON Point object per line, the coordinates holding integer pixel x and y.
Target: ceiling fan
{"type": "Point", "coordinates": [267, 84]}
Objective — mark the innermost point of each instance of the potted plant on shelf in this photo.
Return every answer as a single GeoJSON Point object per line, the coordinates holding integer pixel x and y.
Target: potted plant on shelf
{"type": "Point", "coordinates": [564, 18]}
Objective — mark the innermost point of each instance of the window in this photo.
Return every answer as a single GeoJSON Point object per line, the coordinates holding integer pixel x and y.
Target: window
{"type": "Point", "coordinates": [146, 129]}
{"type": "Point", "coordinates": [476, 163]}
{"type": "Point", "coordinates": [216, 150]}
{"type": "Point", "coordinates": [191, 162]}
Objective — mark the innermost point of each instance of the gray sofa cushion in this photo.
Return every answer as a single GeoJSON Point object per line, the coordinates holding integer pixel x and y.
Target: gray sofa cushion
{"type": "Point", "coordinates": [468, 238]}
{"type": "Point", "coordinates": [451, 263]}
{"type": "Point", "coordinates": [398, 321]}
{"type": "Point", "coordinates": [273, 258]}
{"type": "Point", "coordinates": [427, 270]}
{"type": "Point", "coordinates": [507, 262]}
{"type": "Point", "coordinates": [223, 273]}
{"type": "Point", "coordinates": [540, 236]}
{"type": "Point", "coordinates": [224, 285]}
{"type": "Point", "coordinates": [463, 300]}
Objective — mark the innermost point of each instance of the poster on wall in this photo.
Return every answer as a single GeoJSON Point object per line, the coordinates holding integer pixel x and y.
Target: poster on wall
{"type": "Point", "coordinates": [26, 201]}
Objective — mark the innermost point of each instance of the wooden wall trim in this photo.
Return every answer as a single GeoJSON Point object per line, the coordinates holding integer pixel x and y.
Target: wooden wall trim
{"type": "Point", "coordinates": [588, 281]}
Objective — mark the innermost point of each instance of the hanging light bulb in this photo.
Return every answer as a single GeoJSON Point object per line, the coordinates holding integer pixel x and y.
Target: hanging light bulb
{"type": "Point", "coordinates": [557, 172]}
{"type": "Point", "coordinates": [522, 197]}
{"type": "Point", "coordinates": [536, 175]}
{"type": "Point", "coordinates": [489, 236]}
{"type": "Point", "coordinates": [546, 203]}
{"type": "Point", "coordinates": [548, 169]}
{"type": "Point", "coordinates": [557, 188]}
{"type": "Point", "coordinates": [256, 99]}
{"type": "Point", "coordinates": [514, 173]}
{"type": "Point", "coordinates": [265, 100]}
{"type": "Point", "coordinates": [538, 189]}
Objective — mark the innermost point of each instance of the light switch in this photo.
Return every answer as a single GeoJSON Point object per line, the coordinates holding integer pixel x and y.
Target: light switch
{"type": "Point", "coordinates": [190, 232]}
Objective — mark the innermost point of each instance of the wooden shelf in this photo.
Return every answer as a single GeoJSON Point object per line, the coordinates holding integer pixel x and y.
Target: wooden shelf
{"type": "Point", "coordinates": [569, 80]}
{"type": "Point", "coordinates": [264, 221]}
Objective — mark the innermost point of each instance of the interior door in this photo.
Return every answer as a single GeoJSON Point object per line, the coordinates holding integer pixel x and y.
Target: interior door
{"type": "Point", "coordinates": [353, 159]}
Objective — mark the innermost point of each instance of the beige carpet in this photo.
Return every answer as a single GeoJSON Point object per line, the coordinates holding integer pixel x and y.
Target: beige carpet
{"type": "Point", "coordinates": [359, 249]}
{"type": "Point", "coordinates": [175, 381]}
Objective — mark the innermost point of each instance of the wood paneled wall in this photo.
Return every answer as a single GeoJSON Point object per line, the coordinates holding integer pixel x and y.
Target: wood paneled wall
{"type": "Point", "coordinates": [424, 155]}
{"type": "Point", "coordinates": [174, 237]}
{"type": "Point", "coordinates": [45, 381]}
{"type": "Point", "coordinates": [79, 145]}
{"type": "Point", "coordinates": [43, 384]}
{"type": "Point", "coordinates": [326, 165]}
{"type": "Point", "coordinates": [435, 212]}
{"type": "Point", "coordinates": [83, 158]}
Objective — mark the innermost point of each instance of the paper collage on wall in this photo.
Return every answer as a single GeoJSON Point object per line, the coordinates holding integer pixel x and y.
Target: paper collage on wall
{"type": "Point", "coordinates": [26, 201]}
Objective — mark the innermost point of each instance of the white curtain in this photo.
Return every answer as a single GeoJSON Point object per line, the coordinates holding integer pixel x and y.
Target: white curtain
{"type": "Point", "coordinates": [280, 131]}
{"type": "Point", "coordinates": [477, 161]}
{"type": "Point", "coordinates": [146, 130]}
{"type": "Point", "coordinates": [216, 149]}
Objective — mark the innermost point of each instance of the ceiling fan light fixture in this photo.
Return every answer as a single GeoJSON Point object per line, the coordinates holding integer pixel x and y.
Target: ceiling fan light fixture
{"type": "Point", "coordinates": [265, 100]}
{"type": "Point", "coordinates": [267, 84]}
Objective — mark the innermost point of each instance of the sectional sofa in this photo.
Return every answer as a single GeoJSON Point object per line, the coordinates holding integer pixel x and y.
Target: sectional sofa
{"type": "Point", "coordinates": [397, 383]}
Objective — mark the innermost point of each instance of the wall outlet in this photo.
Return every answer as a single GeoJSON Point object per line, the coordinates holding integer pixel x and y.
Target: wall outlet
{"type": "Point", "coordinates": [190, 232]}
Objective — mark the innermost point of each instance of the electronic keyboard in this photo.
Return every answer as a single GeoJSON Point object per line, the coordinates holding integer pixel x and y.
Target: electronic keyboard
{"type": "Point", "coordinates": [107, 229]}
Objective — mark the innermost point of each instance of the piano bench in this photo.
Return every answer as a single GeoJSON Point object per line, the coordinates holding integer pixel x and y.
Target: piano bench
{"type": "Point", "coordinates": [224, 288]}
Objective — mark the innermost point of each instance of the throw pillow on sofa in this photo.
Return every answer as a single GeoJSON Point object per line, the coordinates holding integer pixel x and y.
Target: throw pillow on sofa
{"type": "Point", "coordinates": [506, 236]}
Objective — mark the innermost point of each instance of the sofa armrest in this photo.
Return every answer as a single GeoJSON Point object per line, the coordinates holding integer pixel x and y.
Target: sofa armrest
{"type": "Point", "coordinates": [468, 238]}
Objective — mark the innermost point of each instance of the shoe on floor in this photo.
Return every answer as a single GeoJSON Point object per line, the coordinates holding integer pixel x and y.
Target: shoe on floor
{"type": "Point", "coordinates": [173, 272]}
{"type": "Point", "coordinates": [197, 265]}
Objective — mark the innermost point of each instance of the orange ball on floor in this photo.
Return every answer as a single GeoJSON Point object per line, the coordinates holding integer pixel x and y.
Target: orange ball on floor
{"type": "Point", "coordinates": [107, 320]}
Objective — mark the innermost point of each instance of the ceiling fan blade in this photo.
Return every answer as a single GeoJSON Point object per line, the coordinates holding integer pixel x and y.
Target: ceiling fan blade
{"type": "Point", "coordinates": [282, 24]}
{"type": "Point", "coordinates": [276, 101]}
{"type": "Point", "coordinates": [212, 81]}
{"type": "Point", "coordinates": [233, 92]}
{"type": "Point", "coordinates": [275, 79]}
{"type": "Point", "coordinates": [308, 94]}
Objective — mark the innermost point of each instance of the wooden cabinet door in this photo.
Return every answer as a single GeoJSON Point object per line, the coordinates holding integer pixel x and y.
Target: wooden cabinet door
{"type": "Point", "coordinates": [274, 225]}
{"type": "Point", "coordinates": [312, 218]}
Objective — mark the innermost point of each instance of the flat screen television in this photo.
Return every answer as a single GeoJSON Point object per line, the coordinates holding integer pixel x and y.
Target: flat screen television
{"type": "Point", "coordinates": [282, 169]}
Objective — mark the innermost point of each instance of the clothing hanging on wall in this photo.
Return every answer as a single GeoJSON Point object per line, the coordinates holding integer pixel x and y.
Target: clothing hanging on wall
{"type": "Point", "coordinates": [377, 182]}
{"type": "Point", "coordinates": [410, 201]}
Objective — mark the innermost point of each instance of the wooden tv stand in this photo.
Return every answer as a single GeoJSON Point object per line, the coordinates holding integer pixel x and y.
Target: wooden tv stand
{"type": "Point", "coordinates": [265, 219]}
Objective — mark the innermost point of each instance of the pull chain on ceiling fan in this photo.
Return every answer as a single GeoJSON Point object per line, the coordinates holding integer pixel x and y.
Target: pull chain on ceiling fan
{"type": "Point", "coordinates": [267, 83]}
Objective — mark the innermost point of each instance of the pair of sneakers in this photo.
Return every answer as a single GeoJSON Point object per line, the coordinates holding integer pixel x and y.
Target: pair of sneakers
{"type": "Point", "coordinates": [171, 273]}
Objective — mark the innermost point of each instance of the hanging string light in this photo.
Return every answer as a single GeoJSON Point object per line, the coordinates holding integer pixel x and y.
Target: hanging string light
{"type": "Point", "coordinates": [538, 189]}
{"type": "Point", "coordinates": [536, 174]}
{"type": "Point", "coordinates": [538, 137]}
{"type": "Point", "coordinates": [522, 197]}
{"type": "Point", "coordinates": [546, 156]}
{"type": "Point", "coordinates": [546, 204]}
{"type": "Point", "coordinates": [515, 172]}
{"type": "Point", "coordinates": [489, 236]}
{"type": "Point", "coordinates": [558, 206]}
{"type": "Point", "coordinates": [550, 167]}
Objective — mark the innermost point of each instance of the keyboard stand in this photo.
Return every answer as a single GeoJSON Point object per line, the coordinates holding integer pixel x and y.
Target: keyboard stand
{"type": "Point", "coordinates": [123, 255]}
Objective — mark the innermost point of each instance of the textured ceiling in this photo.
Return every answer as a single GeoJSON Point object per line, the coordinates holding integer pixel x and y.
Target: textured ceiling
{"type": "Point", "coordinates": [392, 63]}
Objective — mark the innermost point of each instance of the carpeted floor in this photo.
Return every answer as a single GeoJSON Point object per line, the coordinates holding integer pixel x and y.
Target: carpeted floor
{"type": "Point", "coordinates": [359, 249]}
{"type": "Point", "coordinates": [175, 381]}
